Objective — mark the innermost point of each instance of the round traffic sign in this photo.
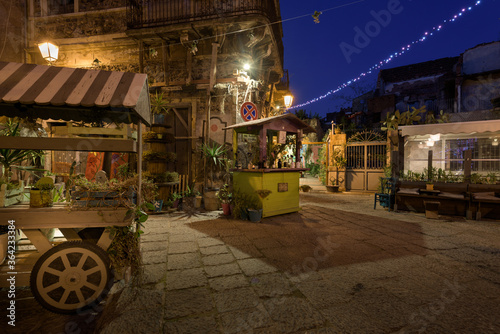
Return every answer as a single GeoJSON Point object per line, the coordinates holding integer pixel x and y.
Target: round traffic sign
{"type": "Point", "coordinates": [249, 111]}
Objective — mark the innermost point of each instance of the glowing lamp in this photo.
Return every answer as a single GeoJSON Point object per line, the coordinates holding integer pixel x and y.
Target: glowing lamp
{"type": "Point", "coordinates": [49, 51]}
{"type": "Point", "coordinates": [288, 100]}
{"type": "Point", "coordinates": [246, 66]}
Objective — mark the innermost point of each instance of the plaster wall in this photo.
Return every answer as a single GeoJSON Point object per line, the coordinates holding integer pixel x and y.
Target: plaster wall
{"type": "Point", "coordinates": [482, 58]}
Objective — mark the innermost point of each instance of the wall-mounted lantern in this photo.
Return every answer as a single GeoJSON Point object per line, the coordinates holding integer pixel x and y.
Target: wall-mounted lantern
{"type": "Point", "coordinates": [288, 100]}
{"type": "Point", "coordinates": [49, 51]}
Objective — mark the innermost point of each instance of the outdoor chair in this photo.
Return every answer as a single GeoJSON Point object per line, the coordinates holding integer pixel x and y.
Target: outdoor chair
{"type": "Point", "coordinates": [386, 196]}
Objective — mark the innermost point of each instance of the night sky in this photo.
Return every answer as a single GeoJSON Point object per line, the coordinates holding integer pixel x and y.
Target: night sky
{"type": "Point", "coordinates": [322, 56]}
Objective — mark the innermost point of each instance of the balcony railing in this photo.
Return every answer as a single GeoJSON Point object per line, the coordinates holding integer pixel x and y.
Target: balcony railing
{"type": "Point", "coordinates": [155, 13]}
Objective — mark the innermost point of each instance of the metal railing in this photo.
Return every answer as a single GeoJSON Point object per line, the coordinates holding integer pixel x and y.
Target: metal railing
{"type": "Point", "coordinates": [154, 13]}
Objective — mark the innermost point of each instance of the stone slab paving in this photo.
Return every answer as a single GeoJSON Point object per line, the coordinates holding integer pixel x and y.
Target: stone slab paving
{"type": "Point", "coordinates": [337, 266]}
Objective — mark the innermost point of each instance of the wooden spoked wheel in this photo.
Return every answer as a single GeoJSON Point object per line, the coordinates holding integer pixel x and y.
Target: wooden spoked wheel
{"type": "Point", "coordinates": [71, 276]}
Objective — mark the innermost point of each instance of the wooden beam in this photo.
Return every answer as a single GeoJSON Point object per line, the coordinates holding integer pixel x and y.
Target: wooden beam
{"type": "Point", "coordinates": [213, 66]}
{"type": "Point", "coordinates": [69, 144]}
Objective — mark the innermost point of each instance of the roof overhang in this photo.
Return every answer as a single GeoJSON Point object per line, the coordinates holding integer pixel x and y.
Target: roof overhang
{"type": "Point", "coordinates": [73, 94]}
{"type": "Point", "coordinates": [451, 128]}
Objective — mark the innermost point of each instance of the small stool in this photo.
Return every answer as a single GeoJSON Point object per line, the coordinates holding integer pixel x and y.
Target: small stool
{"type": "Point", "coordinates": [431, 209]}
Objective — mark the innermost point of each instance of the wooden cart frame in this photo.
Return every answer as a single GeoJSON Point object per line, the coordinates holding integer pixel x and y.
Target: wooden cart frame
{"type": "Point", "coordinates": [75, 274]}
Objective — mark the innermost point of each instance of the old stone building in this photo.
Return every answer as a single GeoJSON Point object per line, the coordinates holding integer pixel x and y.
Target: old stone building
{"type": "Point", "coordinates": [204, 58]}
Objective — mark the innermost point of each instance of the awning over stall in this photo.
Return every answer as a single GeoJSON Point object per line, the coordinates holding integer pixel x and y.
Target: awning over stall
{"type": "Point", "coordinates": [73, 94]}
{"type": "Point", "coordinates": [444, 128]}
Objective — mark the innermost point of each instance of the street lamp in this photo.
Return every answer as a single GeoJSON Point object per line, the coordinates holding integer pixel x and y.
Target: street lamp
{"type": "Point", "coordinates": [288, 100]}
{"type": "Point", "coordinates": [49, 51]}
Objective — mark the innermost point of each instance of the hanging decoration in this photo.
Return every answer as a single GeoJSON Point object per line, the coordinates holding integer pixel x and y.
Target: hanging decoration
{"type": "Point", "coordinates": [377, 66]}
{"type": "Point", "coordinates": [316, 16]}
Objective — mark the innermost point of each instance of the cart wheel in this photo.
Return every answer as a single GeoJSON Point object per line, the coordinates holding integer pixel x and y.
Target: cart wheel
{"type": "Point", "coordinates": [72, 276]}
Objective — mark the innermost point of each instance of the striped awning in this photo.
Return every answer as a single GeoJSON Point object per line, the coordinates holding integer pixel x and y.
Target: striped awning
{"type": "Point", "coordinates": [73, 94]}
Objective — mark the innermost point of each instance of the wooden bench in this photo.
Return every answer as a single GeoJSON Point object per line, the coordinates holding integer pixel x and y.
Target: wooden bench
{"type": "Point", "coordinates": [484, 202]}
{"type": "Point", "coordinates": [452, 197]}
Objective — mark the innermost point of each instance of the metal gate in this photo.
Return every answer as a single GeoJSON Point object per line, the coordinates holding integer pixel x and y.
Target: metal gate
{"type": "Point", "coordinates": [365, 164]}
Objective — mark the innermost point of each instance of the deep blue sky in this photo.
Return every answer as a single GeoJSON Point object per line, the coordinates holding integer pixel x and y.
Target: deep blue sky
{"type": "Point", "coordinates": [316, 63]}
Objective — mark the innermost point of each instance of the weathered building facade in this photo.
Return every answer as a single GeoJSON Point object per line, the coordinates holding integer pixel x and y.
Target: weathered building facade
{"type": "Point", "coordinates": [462, 86]}
{"type": "Point", "coordinates": [194, 53]}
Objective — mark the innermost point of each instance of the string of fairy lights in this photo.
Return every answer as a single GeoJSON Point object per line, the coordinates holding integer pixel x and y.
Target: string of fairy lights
{"type": "Point", "coordinates": [404, 49]}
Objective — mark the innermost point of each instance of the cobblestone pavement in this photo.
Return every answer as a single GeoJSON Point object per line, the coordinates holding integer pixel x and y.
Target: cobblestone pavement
{"type": "Point", "coordinates": [337, 266]}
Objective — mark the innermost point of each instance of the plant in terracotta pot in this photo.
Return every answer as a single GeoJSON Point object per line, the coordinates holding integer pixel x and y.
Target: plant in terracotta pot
{"type": "Point", "coordinates": [225, 197]}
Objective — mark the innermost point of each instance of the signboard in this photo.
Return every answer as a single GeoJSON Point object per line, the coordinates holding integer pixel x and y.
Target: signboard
{"type": "Point", "coordinates": [249, 111]}
{"type": "Point", "coordinates": [282, 137]}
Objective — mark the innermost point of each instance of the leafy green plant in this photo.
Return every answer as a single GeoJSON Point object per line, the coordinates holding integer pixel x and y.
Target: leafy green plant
{"type": "Point", "coordinates": [9, 157]}
{"type": "Point", "coordinates": [152, 156]}
{"type": "Point", "coordinates": [305, 187]}
{"type": "Point", "coordinates": [158, 103]}
{"type": "Point", "coordinates": [215, 155]}
{"type": "Point", "coordinates": [224, 194]}
{"type": "Point", "coordinates": [263, 193]}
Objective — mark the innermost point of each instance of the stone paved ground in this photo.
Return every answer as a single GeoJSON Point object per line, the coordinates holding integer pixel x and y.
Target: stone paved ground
{"type": "Point", "coordinates": [337, 266]}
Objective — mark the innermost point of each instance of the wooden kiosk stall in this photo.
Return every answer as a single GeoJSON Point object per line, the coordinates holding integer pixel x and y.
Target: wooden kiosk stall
{"type": "Point", "coordinates": [59, 281]}
{"type": "Point", "coordinates": [283, 182]}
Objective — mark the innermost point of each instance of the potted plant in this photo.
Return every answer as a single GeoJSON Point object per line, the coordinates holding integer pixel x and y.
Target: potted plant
{"type": "Point", "coordinates": [225, 196]}
{"type": "Point", "coordinates": [10, 193]}
{"type": "Point", "coordinates": [189, 198]}
{"type": "Point", "coordinates": [159, 108]}
{"type": "Point", "coordinates": [41, 195]}
{"type": "Point", "coordinates": [239, 205]}
{"type": "Point", "coordinates": [176, 199]}
{"type": "Point", "coordinates": [215, 156]}
{"type": "Point", "coordinates": [305, 188]}
{"type": "Point", "coordinates": [255, 209]}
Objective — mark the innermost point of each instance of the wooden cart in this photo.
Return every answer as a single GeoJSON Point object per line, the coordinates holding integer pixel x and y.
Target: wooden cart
{"type": "Point", "coordinates": [75, 274]}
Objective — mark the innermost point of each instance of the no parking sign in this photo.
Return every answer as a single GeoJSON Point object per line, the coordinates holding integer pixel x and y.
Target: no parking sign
{"type": "Point", "coordinates": [249, 111]}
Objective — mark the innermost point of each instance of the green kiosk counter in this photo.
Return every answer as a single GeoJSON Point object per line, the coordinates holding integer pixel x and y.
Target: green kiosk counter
{"type": "Point", "coordinates": [278, 188]}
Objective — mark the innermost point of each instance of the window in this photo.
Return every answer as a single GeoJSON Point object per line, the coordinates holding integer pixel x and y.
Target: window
{"type": "Point", "coordinates": [61, 6]}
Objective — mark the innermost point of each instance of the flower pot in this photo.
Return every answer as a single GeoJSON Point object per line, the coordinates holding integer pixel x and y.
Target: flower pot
{"type": "Point", "coordinates": [3, 247]}
{"type": "Point", "coordinates": [40, 198]}
{"type": "Point", "coordinates": [197, 202]}
{"type": "Point", "coordinates": [244, 214]}
{"type": "Point", "coordinates": [175, 204]}
{"type": "Point", "coordinates": [332, 189]}
{"type": "Point", "coordinates": [159, 118]}
{"type": "Point", "coordinates": [12, 196]}
{"type": "Point", "coordinates": [158, 204]}
{"type": "Point", "coordinates": [211, 201]}
{"type": "Point", "coordinates": [255, 216]}
{"type": "Point", "coordinates": [226, 209]}
{"type": "Point", "coordinates": [188, 203]}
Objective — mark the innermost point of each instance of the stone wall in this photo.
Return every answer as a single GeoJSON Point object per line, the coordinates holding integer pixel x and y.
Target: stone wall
{"type": "Point", "coordinates": [92, 24]}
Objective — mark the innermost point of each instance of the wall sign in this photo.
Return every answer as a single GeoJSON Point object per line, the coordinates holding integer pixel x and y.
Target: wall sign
{"type": "Point", "coordinates": [282, 187]}
{"type": "Point", "coordinates": [249, 111]}
{"type": "Point", "coordinates": [282, 137]}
